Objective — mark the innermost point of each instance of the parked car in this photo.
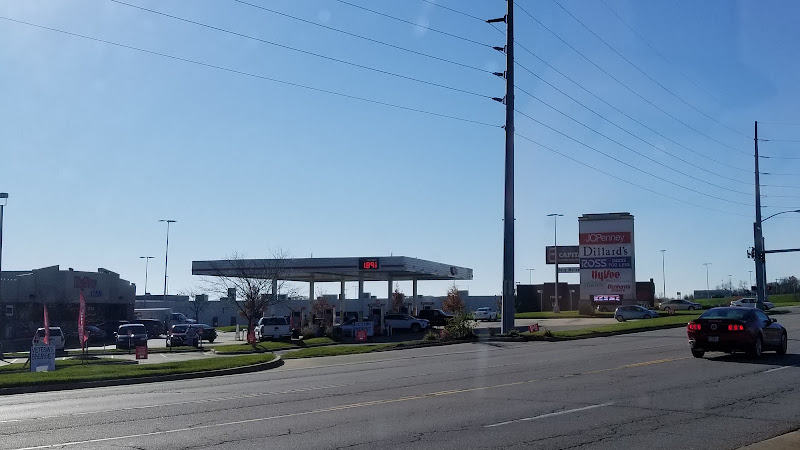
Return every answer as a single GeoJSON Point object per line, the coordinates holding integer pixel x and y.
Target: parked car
{"type": "Point", "coordinates": [96, 335]}
{"type": "Point", "coordinates": [349, 327]}
{"type": "Point", "coordinates": [56, 337]}
{"type": "Point", "coordinates": [273, 327]}
{"type": "Point", "coordinates": [110, 327]}
{"type": "Point", "coordinates": [485, 313]}
{"type": "Point", "coordinates": [730, 329]}
{"type": "Point", "coordinates": [676, 305]}
{"type": "Point", "coordinates": [436, 317]}
{"type": "Point", "coordinates": [131, 335]}
{"type": "Point", "coordinates": [209, 333]}
{"type": "Point", "coordinates": [178, 335]}
{"type": "Point", "coordinates": [752, 303]}
{"type": "Point", "coordinates": [154, 327]}
{"type": "Point", "coordinates": [405, 322]}
{"type": "Point", "coordinates": [628, 312]}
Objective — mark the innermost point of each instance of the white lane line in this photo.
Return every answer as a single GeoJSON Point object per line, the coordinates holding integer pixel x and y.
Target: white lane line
{"type": "Point", "coordinates": [780, 368]}
{"type": "Point", "coordinates": [544, 416]}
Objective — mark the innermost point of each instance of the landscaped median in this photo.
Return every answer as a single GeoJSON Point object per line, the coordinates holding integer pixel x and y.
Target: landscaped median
{"type": "Point", "coordinates": [95, 372]}
{"type": "Point", "coordinates": [271, 346]}
{"type": "Point", "coordinates": [631, 326]}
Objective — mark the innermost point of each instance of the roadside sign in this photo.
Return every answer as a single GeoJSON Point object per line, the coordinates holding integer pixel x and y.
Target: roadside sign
{"type": "Point", "coordinates": [141, 352]}
{"type": "Point", "coordinates": [251, 336]}
{"type": "Point", "coordinates": [361, 335]}
{"type": "Point", "coordinates": [534, 327]}
{"type": "Point", "coordinates": [43, 358]}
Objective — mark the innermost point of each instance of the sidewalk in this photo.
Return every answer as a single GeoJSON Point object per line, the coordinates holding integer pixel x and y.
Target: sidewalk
{"type": "Point", "coordinates": [788, 441]}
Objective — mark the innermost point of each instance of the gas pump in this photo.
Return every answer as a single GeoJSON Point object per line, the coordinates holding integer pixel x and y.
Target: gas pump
{"type": "Point", "coordinates": [376, 312]}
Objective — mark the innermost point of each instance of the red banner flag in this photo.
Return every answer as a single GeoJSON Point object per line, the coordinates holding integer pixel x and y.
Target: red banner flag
{"type": "Point", "coordinates": [46, 327]}
{"type": "Point", "coordinates": [82, 337]}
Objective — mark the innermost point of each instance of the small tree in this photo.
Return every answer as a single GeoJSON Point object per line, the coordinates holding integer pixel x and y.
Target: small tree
{"type": "Point", "coordinates": [398, 298]}
{"type": "Point", "coordinates": [252, 280]}
{"type": "Point", "coordinates": [453, 303]}
{"type": "Point", "coordinates": [198, 304]}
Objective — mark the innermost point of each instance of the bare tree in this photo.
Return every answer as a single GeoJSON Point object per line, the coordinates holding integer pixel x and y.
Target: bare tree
{"type": "Point", "coordinates": [198, 302]}
{"type": "Point", "coordinates": [248, 284]}
{"type": "Point", "coordinates": [453, 303]}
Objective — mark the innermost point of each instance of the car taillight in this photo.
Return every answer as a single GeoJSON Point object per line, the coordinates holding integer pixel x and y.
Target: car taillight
{"type": "Point", "coordinates": [732, 327]}
{"type": "Point", "coordinates": [694, 326]}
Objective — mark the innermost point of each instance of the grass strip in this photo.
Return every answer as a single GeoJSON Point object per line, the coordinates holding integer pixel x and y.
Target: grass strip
{"type": "Point", "coordinates": [336, 350]}
{"type": "Point", "coordinates": [561, 315]}
{"type": "Point", "coordinates": [618, 328]}
{"type": "Point", "coordinates": [70, 371]}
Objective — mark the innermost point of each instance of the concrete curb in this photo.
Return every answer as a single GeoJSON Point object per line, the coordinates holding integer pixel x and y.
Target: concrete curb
{"type": "Point", "coordinates": [276, 362]}
{"type": "Point", "coordinates": [788, 441]}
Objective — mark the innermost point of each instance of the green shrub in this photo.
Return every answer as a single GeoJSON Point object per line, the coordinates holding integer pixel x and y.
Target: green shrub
{"type": "Point", "coordinates": [459, 327]}
{"type": "Point", "coordinates": [431, 336]}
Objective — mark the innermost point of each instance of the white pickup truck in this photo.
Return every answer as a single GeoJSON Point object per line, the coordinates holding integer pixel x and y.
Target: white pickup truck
{"type": "Point", "coordinates": [273, 328]}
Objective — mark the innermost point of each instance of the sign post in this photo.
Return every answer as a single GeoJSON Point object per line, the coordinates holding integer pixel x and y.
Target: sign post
{"type": "Point", "coordinates": [43, 358]}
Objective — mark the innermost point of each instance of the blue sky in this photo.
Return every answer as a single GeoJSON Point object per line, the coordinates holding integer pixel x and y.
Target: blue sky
{"type": "Point", "coordinates": [100, 141]}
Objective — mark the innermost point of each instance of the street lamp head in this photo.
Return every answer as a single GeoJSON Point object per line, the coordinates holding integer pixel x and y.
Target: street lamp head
{"type": "Point", "coordinates": [3, 198]}
{"type": "Point", "coordinates": [167, 220]}
{"type": "Point", "coordinates": [146, 257]}
{"type": "Point", "coordinates": [555, 215]}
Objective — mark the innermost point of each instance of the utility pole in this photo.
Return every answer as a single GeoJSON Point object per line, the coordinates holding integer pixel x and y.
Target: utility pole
{"type": "Point", "coordinates": [508, 216]}
{"type": "Point", "coordinates": [758, 254]}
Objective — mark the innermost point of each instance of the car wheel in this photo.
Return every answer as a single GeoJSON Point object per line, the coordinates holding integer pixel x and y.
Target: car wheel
{"type": "Point", "coordinates": [647, 316]}
{"type": "Point", "coordinates": [784, 344]}
{"type": "Point", "coordinates": [691, 308]}
{"type": "Point", "coordinates": [698, 353]}
{"type": "Point", "coordinates": [757, 347]}
{"type": "Point", "coordinates": [415, 328]}
{"type": "Point", "coordinates": [620, 319]}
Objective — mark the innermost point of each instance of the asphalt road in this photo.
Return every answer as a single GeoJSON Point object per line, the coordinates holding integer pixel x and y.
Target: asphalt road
{"type": "Point", "coordinates": [625, 392]}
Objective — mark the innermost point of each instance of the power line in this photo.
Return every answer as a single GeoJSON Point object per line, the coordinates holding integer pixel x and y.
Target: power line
{"type": "Point", "coordinates": [306, 52]}
{"type": "Point", "coordinates": [628, 87]}
{"type": "Point", "coordinates": [645, 73]}
{"type": "Point", "coordinates": [465, 39]}
{"type": "Point", "coordinates": [657, 52]}
{"type": "Point", "coordinates": [624, 180]}
{"type": "Point", "coordinates": [453, 10]}
{"type": "Point", "coordinates": [626, 114]}
{"type": "Point", "coordinates": [348, 33]}
{"type": "Point", "coordinates": [629, 148]}
{"type": "Point", "coordinates": [631, 165]}
{"type": "Point", "coordinates": [624, 129]}
{"type": "Point", "coordinates": [261, 77]}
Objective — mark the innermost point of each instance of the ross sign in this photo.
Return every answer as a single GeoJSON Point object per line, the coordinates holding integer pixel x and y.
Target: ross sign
{"type": "Point", "coordinates": [567, 254]}
{"type": "Point", "coordinates": [361, 335]}
{"type": "Point", "coordinates": [43, 358]}
{"type": "Point", "coordinates": [607, 257]}
{"type": "Point", "coordinates": [534, 327]}
{"type": "Point", "coordinates": [569, 269]}
{"type": "Point", "coordinates": [141, 352]}
{"type": "Point", "coordinates": [368, 264]}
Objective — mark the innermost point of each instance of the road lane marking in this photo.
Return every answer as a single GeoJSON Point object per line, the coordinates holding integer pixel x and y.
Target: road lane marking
{"type": "Point", "coordinates": [552, 414]}
{"type": "Point", "coordinates": [779, 368]}
{"type": "Point", "coordinates": [335, 408]}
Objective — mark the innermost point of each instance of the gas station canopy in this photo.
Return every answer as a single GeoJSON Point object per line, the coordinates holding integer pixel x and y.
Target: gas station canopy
{"type": "Point", "coordinates": [383, 268]}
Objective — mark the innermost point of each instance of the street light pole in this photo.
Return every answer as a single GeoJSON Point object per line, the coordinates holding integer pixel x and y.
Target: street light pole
{"type": "Point", "coordinates": [730, 286]}
{"type": "Point", "coordinates": [146, 264]}
{"type": "Point", "coordinates": [3, 201]}
{"type": "Point", "coordinates": [530, 275]}
{"type": "Point", "coordinates": [555, 217]}
{"type": "Point", "coordinates": [663, 273]}
{"type": "Point", "coordinates": [166, 256]}
{"type": "Point", "coordinates": [708, 291]}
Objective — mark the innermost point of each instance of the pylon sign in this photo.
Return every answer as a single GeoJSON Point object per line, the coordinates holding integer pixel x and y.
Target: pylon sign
{"type": "Point", "coordinates": [607, 257]}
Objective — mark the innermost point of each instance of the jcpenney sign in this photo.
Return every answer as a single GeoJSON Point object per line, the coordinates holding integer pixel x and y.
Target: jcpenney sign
{"type": "Point", "coordinates": [621, 237]}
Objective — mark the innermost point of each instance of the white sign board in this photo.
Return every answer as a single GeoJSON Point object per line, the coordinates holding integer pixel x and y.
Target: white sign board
{"type": "Point", "coordinates": [607, 257]}
{"type": "Point", "coordinates": [43, 358]}
{"type": "Point", "coordinates": [569, 270]}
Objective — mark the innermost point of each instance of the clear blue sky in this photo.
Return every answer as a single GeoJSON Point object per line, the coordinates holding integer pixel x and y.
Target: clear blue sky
{"type": "Point", "coordinates": [98, 141]}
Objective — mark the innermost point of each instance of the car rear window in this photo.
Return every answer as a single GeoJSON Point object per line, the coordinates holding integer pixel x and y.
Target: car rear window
{"type": "Point", "coordinates": [734, 314]}
{"type": "Point", "coordinates": [134, 328]}
{"type": "Point", "coordinates": [274, 321]}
